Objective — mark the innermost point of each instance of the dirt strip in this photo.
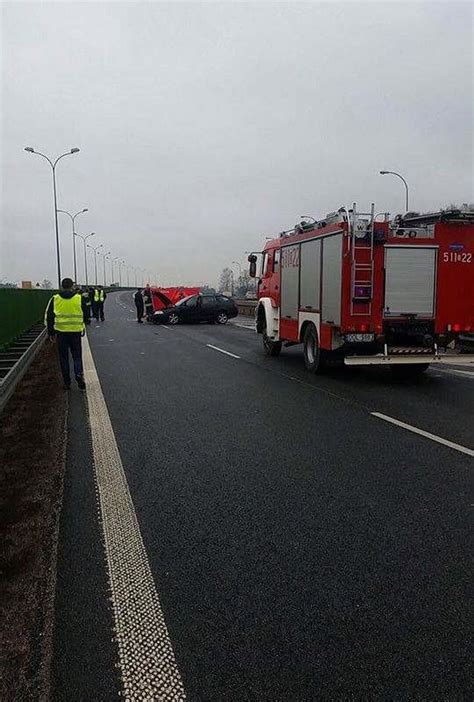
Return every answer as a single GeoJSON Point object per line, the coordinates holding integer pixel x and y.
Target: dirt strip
{"type": "Point", "coordinates": [32, 463]}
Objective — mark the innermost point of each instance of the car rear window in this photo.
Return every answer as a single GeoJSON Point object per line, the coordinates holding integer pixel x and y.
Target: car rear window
{"type": "Point", "coordinates": [221, 298]}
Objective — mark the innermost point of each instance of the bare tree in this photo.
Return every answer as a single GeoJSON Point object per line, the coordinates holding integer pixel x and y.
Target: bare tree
{"type": "Point", "coordinates": [47, 284]}
{"type": "Point", "coordinates": [226, 280]}
{"type": "Point", "coordinates": [245, 284]}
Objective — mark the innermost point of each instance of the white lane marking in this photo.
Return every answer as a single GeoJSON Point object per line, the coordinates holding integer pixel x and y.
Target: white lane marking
{"type": "Point", "coordinates": [147, 663]}
{"type": "Point", "coordinates": [426, 434]}
{"type": "Point", "coordinates": [457, 372]}
{"type": "Point", "coordinates": [163, 326]}
{"type": "Point", "coordinates": [243, 326]}
{"type": "Point", "coordinates": [227, 353]}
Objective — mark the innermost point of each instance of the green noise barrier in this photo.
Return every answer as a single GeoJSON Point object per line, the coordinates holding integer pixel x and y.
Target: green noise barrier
{"type": "Point", "coordinates": [20, 310]}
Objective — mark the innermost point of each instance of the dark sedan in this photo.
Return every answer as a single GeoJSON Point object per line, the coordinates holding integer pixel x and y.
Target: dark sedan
{"type": "Point", "coordinates": [198, 308]}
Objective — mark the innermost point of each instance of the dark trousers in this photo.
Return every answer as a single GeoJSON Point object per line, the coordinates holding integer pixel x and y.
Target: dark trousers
{"type": "Point", "coordinates": [100, 311]}
{"type": "Point", "coordinates": [139, 312]}
{"type": "Point", "coordinates": [69, 342]}
{"type": "Point", "coordinates": [95, 310]}
{"type": "Point", "coordinates": [88, 314]}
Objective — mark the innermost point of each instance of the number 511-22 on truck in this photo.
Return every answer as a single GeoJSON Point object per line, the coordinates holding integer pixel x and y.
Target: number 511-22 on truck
{"type": "Point", "coordinates": [369, 290]}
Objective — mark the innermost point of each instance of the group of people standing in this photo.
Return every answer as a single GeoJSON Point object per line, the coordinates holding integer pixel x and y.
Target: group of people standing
{"type": "Point", "coordinates": [94, 299]}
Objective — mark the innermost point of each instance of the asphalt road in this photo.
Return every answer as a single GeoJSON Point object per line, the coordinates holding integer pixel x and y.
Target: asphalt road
{"type": "Point", "coordinates": [302, 548]}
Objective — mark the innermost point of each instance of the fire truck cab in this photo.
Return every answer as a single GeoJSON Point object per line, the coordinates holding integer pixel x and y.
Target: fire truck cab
{"type": "Point", "coordinates": [369, 290]}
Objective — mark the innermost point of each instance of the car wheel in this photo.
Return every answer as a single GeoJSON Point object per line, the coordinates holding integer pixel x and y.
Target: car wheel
{"type": "Point", "coordinates": [311, 348]}
{"type": "Point", "coordinates": [271, 348]}
{"type": "Point", "coordinates": [222, 318]}
{"type": "Point", "coordinates": [173, 318]}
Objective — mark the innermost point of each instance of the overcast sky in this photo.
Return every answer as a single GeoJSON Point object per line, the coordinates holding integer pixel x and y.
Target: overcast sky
{"type": "Point", "coordinates": [204, 127]}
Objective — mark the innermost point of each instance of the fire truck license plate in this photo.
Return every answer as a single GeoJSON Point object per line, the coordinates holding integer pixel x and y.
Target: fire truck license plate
{"type": "Point", "coordinates": [456, 257]}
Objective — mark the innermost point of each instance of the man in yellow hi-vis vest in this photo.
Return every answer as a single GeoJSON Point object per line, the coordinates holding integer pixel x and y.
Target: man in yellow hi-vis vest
{"type": "Point", "coordinates": [99, 299]}
{"type": "Point", "coordinates": [65, 318]}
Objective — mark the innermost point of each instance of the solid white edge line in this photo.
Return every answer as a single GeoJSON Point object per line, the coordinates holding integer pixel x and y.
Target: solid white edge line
{"type": "Point", "coordinates": [227, 353]}
{"type": "Point", "coordinates": [426, 434]}
{"type": "Point", "coordinates": [469, 374]}
{"type": "Point", "coordinates": [147, 662]}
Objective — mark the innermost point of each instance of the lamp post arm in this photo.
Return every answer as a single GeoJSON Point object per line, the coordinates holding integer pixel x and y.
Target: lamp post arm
{"type": "Point", "coordinates": [38, 153]}
{"type": "Point", "coordinates": [68, 153]}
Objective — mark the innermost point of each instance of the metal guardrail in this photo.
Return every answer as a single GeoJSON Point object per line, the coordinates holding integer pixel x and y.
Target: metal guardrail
{"type": "Point", "coordinates": [246, 307]}
{"type": "Point", "coordinates": [9, 382]}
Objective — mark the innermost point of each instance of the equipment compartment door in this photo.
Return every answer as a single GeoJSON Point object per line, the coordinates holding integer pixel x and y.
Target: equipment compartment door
{"type": "Point", "coordinates": [290, 267]}
{"type": "Point", "coordinates": [410, 275]}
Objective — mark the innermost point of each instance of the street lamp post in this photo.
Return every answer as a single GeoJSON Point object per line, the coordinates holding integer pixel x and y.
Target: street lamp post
{"type": "Point", "coordinates": [95, 249]}
{"type": "Point", "coordinates": [112, 262]}
{"type": "Point", "coordinates": [84, 239]}
{"type": "Point", "coordinates": [121, 262]}
{"type": "Point", "coordinates": [404, 182]}
{"type": "Point", "coordinates": [53, 165]}
{"type": "Point", "coordinates": [105, 277]}
{"type": "Point", "coordinates": [73, 217]}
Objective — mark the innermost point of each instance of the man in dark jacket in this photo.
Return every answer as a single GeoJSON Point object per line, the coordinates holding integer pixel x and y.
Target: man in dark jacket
{"type": "Point", "coordinates": [139, 304]}
{"type": "Point", "coordinates": [147, 295]}
{"type": "Point", "coordinates": [88, 303]}
{"type": "Point", "coordinates": [65, 317]}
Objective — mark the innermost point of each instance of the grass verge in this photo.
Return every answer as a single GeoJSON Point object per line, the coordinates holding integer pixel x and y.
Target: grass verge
{"type": "Point", "coordinates": [32, 464]}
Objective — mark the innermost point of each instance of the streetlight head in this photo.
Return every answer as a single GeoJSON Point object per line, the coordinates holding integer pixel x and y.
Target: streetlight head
{"type": "Point", "coordinates": [383, 172]}
{"type": "Point", "coordinates": [85, 209]}
{"type": "Point", "coordinates": [30, 149]}
{"type": "Point", "coordinates": [75, 150]}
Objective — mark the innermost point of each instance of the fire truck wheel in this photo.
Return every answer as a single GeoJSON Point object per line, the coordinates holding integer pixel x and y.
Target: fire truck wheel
{"type": "Point", "coordinates": [312, 354]}
{"type": "Point", "coordinates": [271, 348]}
{"type": "Point", "coordinates": [409, 371]}
{"type": "Point", "coordinates": [222, 318]}
{"type": "Point", "coordinates": [173, 318]}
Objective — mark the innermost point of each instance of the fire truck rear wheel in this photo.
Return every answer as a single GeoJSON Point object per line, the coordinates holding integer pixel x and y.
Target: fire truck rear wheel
{"type": "Point", "coordinates": [271, 348]}
{"type": "Point", "coordinates": [312, 353]}
{"type": "Point", "coordinates": [409, 370]}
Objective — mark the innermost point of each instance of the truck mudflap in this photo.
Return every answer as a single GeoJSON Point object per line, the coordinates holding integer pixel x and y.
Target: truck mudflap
{"type": "Point", "coordinates": [381, 359]}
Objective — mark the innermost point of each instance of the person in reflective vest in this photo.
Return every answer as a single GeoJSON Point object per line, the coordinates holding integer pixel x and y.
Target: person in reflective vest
{"type": "Point", "coordinates": [86, 298]}
{"type": "Point", "coordinates": [99, 299]}
{"type": "Point", "coordinates": [65, 319]}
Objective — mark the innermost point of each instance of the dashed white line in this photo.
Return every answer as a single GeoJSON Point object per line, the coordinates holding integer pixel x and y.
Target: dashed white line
{"type": "Point", "coordinates": [227, 353]}
{"type": "Point", "coordinates": [426, 434]}
{"type": "Point", "coordinates": [147, 663]}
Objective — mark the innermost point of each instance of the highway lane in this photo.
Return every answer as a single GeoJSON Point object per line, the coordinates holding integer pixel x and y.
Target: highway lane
{"type": "Point", "coordinates": [302, 548]}
{"type": "Point", "coordinates": [440, 401]}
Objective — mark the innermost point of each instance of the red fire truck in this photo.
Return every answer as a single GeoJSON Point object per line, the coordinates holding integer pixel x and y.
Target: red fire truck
{"type": "Point", "coordinates": [369, 290]}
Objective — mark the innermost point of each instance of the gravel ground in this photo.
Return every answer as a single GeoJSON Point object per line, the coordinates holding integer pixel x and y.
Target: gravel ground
{"type": "Point", "coordinates": [32, 459]}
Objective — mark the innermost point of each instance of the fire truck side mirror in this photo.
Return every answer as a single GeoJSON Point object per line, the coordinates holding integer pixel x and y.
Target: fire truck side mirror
{"type": "Point", "coordinates": [252, 259]}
